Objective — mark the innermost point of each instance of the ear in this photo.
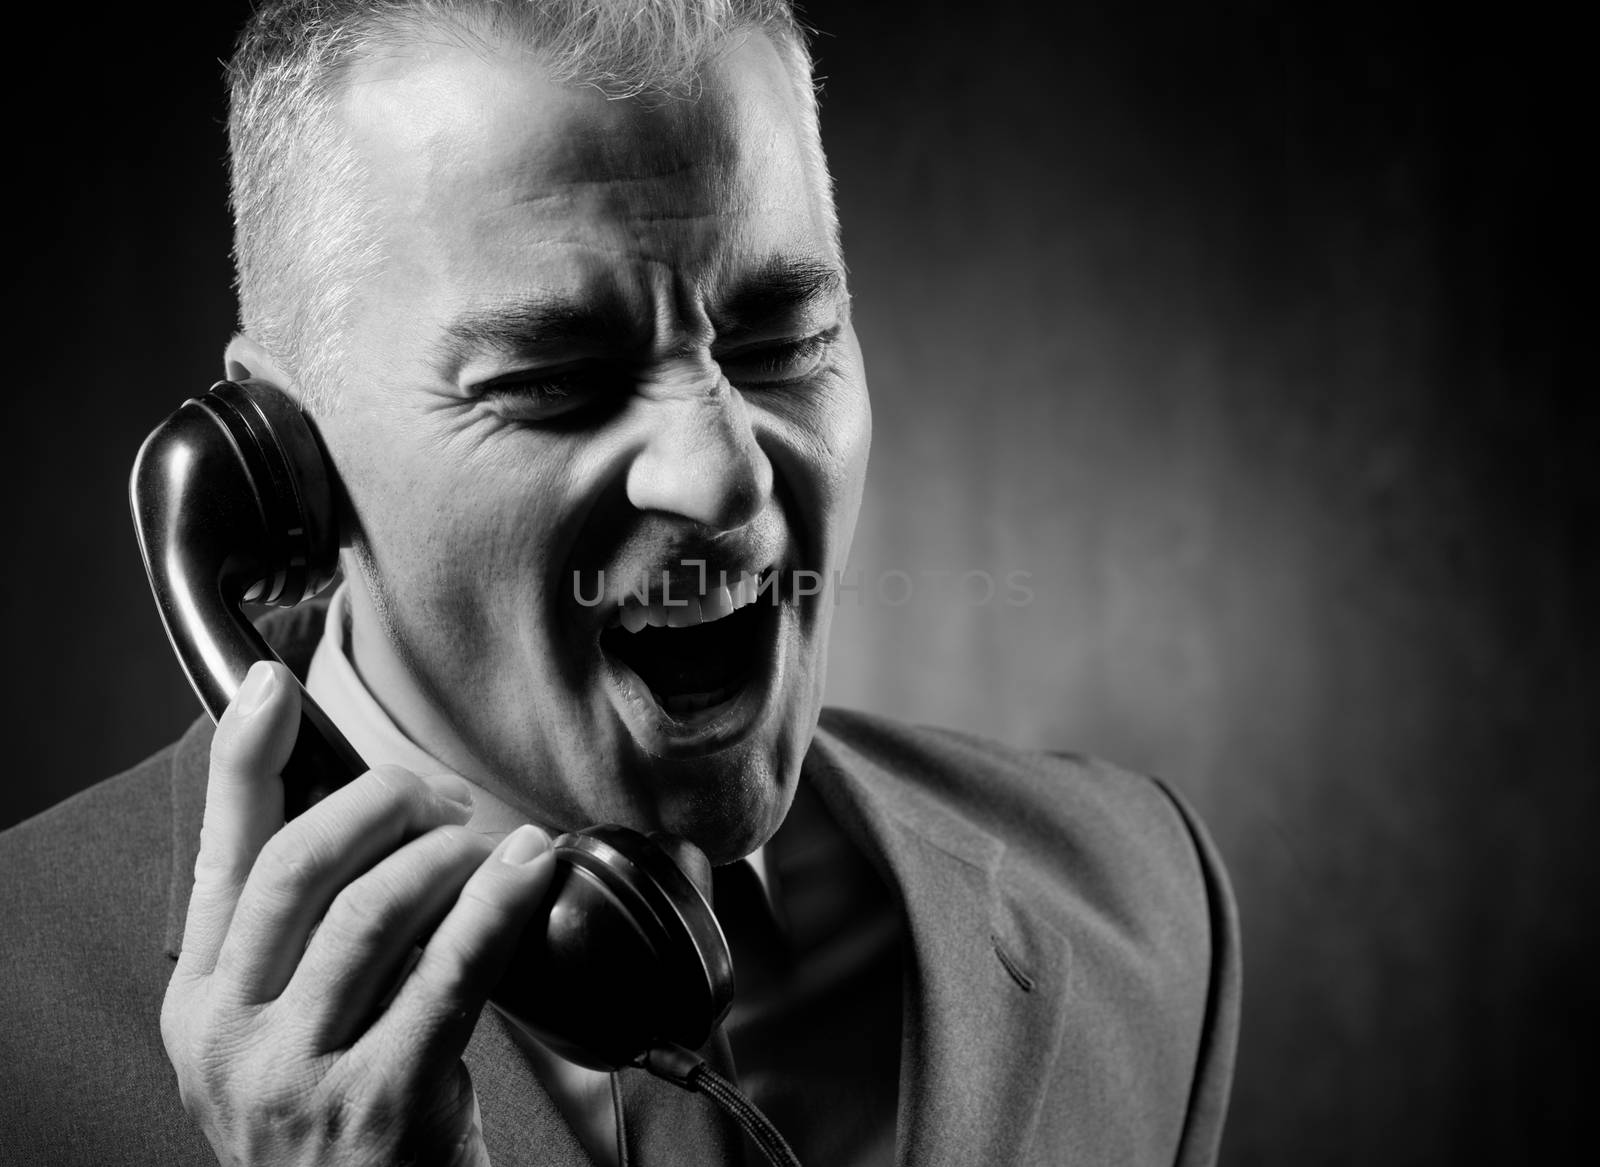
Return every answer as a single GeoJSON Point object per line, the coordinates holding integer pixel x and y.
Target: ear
{"type": "Point", "coordinates": [245, 360]}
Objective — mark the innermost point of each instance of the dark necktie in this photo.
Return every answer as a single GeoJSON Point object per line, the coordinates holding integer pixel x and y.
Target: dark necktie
{"type": "Point", "coordinates": [755, 939]}
{"type": "Point", "coordinates": [661, 1125]}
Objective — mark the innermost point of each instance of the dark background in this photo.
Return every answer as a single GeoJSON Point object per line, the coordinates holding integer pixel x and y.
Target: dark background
{"type": "Point", "coordinates": [1242, 329]}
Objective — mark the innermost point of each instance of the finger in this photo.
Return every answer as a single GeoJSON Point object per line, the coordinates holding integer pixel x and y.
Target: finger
{"type": "Point", "coordinates": [433, 1013]}
{"type": "Point", "coordinates": [244, 804]}
{"type": "Point", "coordinates": [370, 930]}
{"type": "Point", "coordinates": [307, 863]}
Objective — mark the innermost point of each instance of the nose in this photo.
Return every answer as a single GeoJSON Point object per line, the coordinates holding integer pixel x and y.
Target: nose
{"type": "Point", "coordinates": [701, 462]}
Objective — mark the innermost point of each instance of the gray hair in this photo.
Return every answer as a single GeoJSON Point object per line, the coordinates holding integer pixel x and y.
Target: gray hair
{"type": "Point", "coordinates": [301, 243]}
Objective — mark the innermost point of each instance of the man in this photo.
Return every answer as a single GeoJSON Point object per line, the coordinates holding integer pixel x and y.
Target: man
{"type": "Point", "coordinates": [561, 286]}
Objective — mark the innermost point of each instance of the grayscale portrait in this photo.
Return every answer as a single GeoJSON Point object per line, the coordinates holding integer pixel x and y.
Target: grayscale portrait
{"type": "Point", "coordinates": [624, 583]}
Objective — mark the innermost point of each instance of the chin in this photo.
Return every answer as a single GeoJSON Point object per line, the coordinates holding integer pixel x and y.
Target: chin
{"type": "Point", "coordinates": [727, 804]}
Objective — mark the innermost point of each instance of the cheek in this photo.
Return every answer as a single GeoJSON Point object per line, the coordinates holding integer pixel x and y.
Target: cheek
{"type": "Point", "coordinates": [404, 506]}
{"type": "Point", "coordinates": [818, 443]}
{"type": "Point", "coordinates": [843, 441]}
{"type": "Point", "coordinates": [449, 521]}
{"type": "Point", "coordinates": [854, 442]}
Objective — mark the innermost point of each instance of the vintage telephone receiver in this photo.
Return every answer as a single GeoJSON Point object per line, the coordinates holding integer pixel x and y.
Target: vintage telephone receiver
{"type": "Point", "coordinates": [234, 500]}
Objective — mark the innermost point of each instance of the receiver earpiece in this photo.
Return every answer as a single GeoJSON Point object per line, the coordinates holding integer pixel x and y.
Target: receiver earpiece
{"type": "Point", "coordinates": [236, 483]}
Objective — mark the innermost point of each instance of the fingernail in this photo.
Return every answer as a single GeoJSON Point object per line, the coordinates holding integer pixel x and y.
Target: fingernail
{"type": "Point", "coordinates": [258, 685]}
{"type": "Point", "coordinates": [523, 845]}
{"type": "Point", "coordinates": [450, 787]}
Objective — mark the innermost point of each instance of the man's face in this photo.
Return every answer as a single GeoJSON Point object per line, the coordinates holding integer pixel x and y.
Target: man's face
{"type": "Point", "coordinates": [603, 339]}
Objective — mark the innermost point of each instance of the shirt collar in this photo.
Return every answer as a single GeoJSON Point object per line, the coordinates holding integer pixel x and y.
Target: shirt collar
{"type": "Point", "coordinates": [335, 685]}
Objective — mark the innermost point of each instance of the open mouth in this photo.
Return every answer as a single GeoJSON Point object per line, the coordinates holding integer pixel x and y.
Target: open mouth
{"type": "Point", "coordinates": [697, 657]}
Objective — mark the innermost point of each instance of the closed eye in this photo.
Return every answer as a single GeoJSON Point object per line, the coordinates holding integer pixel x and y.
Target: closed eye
{"type": "Point", "coordinates": [557, 394]}
{"type": "Point", "coordinates": [774, 365]}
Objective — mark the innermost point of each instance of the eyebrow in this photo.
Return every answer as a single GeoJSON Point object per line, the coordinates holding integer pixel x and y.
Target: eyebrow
{"type": "Point", "coordinates": [779, 289]}
{"type": "Point", "coordinates": [541, 321]}
{"type": "Point", "coordinates": [774, 293]}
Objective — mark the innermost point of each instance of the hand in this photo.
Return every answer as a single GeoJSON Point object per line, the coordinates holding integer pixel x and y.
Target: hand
{"type": "Point", "coordinates": [303, 1024]}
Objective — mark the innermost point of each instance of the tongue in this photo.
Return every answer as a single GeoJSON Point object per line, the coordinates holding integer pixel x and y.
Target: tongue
{"type": "Point", "coordinates": [679, 661]}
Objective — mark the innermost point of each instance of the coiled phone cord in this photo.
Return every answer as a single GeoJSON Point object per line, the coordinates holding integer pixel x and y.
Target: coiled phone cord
{"type": "Point", "coordinates": [688, 1071]}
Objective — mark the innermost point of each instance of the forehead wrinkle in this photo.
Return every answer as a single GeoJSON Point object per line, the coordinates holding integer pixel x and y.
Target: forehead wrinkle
{"type": "Point", "coordinates": [694, 189]}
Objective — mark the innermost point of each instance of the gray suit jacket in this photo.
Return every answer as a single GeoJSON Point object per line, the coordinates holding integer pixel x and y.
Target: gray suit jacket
{"type": "Point", "coordinates": [1071, 980]}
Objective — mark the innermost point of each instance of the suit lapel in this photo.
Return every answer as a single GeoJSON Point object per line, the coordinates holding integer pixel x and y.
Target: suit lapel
{"type": "Point", "coordinates": [986, 989]}
{"type": "Point", "coordinates": [521, 1123]}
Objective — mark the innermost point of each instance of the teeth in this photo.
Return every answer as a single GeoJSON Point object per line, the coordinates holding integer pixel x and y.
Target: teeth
{"type": "Point", "coordinates": [684, 613]}
{"type": "Point", "coordinates": [715, 604]}
{"type": "Point", "coordinates": [687, 611]}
